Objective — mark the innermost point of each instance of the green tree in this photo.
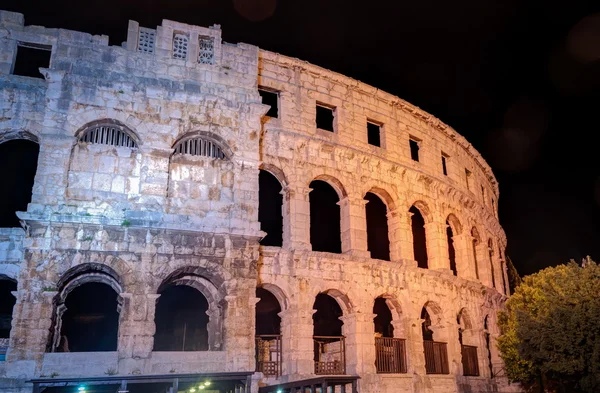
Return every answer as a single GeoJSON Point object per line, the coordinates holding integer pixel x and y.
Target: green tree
{"type": "Point", "coordinates": [551, 330]}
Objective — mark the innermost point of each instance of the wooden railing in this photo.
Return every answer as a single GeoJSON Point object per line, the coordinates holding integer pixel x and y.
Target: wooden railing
{"type": "Point", "coordinates": [330, 355]}
{"type": "Point", "coordinates": [469, 361]}
{"type": "Point", "coordinates": [390, 355]}
{"type": "Point", "coordinates": [268, 354]}
{"type": "Point", "coordinates": [436, 357]}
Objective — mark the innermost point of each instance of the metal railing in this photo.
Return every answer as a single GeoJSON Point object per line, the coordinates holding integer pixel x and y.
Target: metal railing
{"type": "Point", "coordinates": [330, 355]}
{"type": "Point", "coordinates": [390, 355]}
{"type": "Point", "coordinates": [3, 348]}
{"type": "Point", "coordinates": [436, 357]}
{"type": "Point", "coordinates": [268, 354]}
{"type": "Point", "coordinates": [469, 361]}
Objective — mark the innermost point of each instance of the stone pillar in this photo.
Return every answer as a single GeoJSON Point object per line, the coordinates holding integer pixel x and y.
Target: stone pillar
{"type": "Point", "coordinates": [437, 246]}
{"type": "Point", "coordinates": [462, 247]}
{"type": "Point", "coordinates": [353, 226]}
{"type": "Point", "coordinates": [239, 324]}
{"type": "Point", "coordinates": [297, 341]}
{"type": "Point", "coordinates": [454, 350]}
{"type": "Point", "coordinates": [136, 330]}
{"type": "Point", "coordinates": [414, 347]}
{"type": "Point", "coordinates": [298, 217]}
{"type": "Point", "coordinates": [405, 237]}
{"type": "Point", "coordinates": [286, 215]}
{"type": "Point", "coordinates": [51, 177]}
{"type": "Point", "coordinates": [359, 331]}
{"type": "Point", "coordinates": [398, 236]}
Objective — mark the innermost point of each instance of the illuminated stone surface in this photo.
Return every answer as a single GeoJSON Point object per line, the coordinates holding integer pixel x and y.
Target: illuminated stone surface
{"type": "Point", "coordinates": [146, 213]}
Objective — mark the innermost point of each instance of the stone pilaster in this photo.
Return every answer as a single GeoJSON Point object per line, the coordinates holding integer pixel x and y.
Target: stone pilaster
{"type": "Point", "coordinates": [397, 235]}
{"type": "Point", "coordinates": [405, 236]}
{"type": "Point", "coordinates": [359, 331]}
{"type": "Point", "coordinates": [238, 322]}
{"type": "Point", "coordinates": [462, 247]}
{"type": "Point", "coordinates": [298, 217]}
{"type": "Point", "coordinates": [437, 246]}
{"type": "Point", "coordinates": [297, 341]}
{"type": "Point", "coordinates": [354, 226]}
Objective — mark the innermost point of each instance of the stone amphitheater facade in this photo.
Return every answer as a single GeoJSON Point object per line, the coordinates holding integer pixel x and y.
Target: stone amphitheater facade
{"type": "Point", "coordinates": [150, 155]}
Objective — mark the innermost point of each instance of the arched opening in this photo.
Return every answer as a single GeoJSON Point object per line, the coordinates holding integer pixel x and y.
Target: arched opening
{"type": "Point", "coordinates": [327, 334]}
{"type": "Point", "coordinates": [486, 334]}
{"type": "Point", "coordinates": [378, 242]}
{"type": "Point", "coordinates": [505, 288]}
{"type": "Point", "coordinates": [268, 333]}
{"type": "Point", "coordinates": [270, 203]}
{"type": "Point", "coordinates": [7, 303]}
{"type": "Point", "coordinates": [436, 352]}
{"type": "Point", "coordinates": [419, 239]}
{"type": "Point", "coordinates": [467, 338]}
{"type": "Point", "coordinates": [18, 160]}
{"type": "Point", "coordinates": [90, 321]}
{"type": "Point", "coordinates": [181, 320]}
{"type": "Point", "coordinates": [491, 256]}
{"type": "Point", "coordinates": [474, 243]}
{"type": "Point", "coordinates": [390, 352]}
{"type": "Point", "coordinates": [451, 249]}
{"type": "Point", "coordinates": [324, 218]}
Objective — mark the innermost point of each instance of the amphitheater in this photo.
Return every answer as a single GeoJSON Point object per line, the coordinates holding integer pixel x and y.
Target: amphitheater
{"type": "Point", "coordinates": [186, 215]}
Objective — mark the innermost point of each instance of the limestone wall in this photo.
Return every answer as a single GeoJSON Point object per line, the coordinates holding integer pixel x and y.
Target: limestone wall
{"type": "Point", "coordinates": [137, 217]}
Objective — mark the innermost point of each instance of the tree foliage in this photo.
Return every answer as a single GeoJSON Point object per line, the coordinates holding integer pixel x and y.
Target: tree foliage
{"type": "Point", "coordinates": [551, 330]}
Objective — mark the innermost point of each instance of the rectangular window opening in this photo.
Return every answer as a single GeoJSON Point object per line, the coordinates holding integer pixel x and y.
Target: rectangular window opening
{"type": "Point", "coordinates": [468, 178]}
{"type": "Point", "coordinates": [483, 194]}
{"type": "Point", "coordinates": [414, 148]}
{"type": "Point", "coordinates": [444, 163]}
{"type": "Point", "coordinates": [374, 133]}
{"type": "Point", "coordinates": [325, 116]}
{"type": "Point", "coordinates": [30, 58]}
{"type": "Point", "coordinates": [271, 98]}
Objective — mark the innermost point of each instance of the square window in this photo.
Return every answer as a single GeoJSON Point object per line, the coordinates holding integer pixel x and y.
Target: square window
{"type": "Point", "coordinates": [414, 149]}
{"type": "Point", "coordinates": [374, 133]}
{"type": "Point", "coordinates": [468, 178]}
{"type": "Point", "coordinates": [325, 116]}
{"type": "Point", "coordinates": [444, 163]}
{"type": "Point", "coordinates": [271, 98]}
{"type": "Point", "coordinates": [30, 58]}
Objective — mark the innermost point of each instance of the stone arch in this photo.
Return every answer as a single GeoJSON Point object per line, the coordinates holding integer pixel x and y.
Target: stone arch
{"type": "Point", "coordinates": [384, 196]}
{"type": "Point", "coordinates": [108, 122]}
{"type": "Point", "coordinates": [210, 286]}
{"type": "Point", "coordinates": [417, 221]}
{"type": "Point", "coordinates": [424, 209]}
{"type": "Point", "coordinates": [377, 221]}
{"type": "Point", "coordinates": [78, 121]}
{"type": "Point", "coordinates": [333, 182]}
{"type": "Point", "coordinates": [18, 134]}
{"type": "Point", "coordinates": [399, 330]}
{"type": "Point", "coordinates": [435, 335]}
{"type": "Point", "coordinates": [342, 299]}
{"type": "Point", "coordinates": [279, 294]}
{"type": "Point", "coordinates": [207, 136]}
{"type": "Point", "coordinates": [77, 278]}
{"type": "Point", "coordinates": [277, 172]}
{"type": "Point", "coordinates": [464, 319]}
{"type": "Point", "coordinates": [212, 272]}
{"type": "Point", "coordinates": [491, 257]}
{"type": "Point", "coordinates": [454, 224]}
{"type": "Point", "coordinates": [8, 286]}
{"type": "Point", "coordinates": [325, 207]}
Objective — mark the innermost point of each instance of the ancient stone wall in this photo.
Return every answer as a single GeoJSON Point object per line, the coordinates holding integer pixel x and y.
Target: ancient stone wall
{"type": "Point", "coordinates": [148, 176]}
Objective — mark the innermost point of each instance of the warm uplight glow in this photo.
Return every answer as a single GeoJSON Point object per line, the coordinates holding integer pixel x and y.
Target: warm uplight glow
{"type": "Point", "coordinates": [193, 390]}
{"type": "Point", "coordinates": [207, 383]}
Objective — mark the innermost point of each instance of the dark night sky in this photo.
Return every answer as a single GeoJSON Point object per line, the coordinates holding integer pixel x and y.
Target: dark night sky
{"type": "Point", "coordinates": [520, 79]}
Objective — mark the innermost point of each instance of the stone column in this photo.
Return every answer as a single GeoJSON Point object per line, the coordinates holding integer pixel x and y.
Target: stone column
{"type": "Point", "coordinates": [298, 217]}
{"type": "Point", "coordinates": [454, 350]}
{"type": "Point", "coordinates": [462, 247]}
{"type": "Point", "coordinates": [297, 341]}
{"type": "Point", "coordinates": [286, 215]}
{"type": "Point", "coordinates": [353, 226]}
{"type": "Point", "coordinates": [437, 246]}
{"type": "Point", "coordinates": [51, 177]}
